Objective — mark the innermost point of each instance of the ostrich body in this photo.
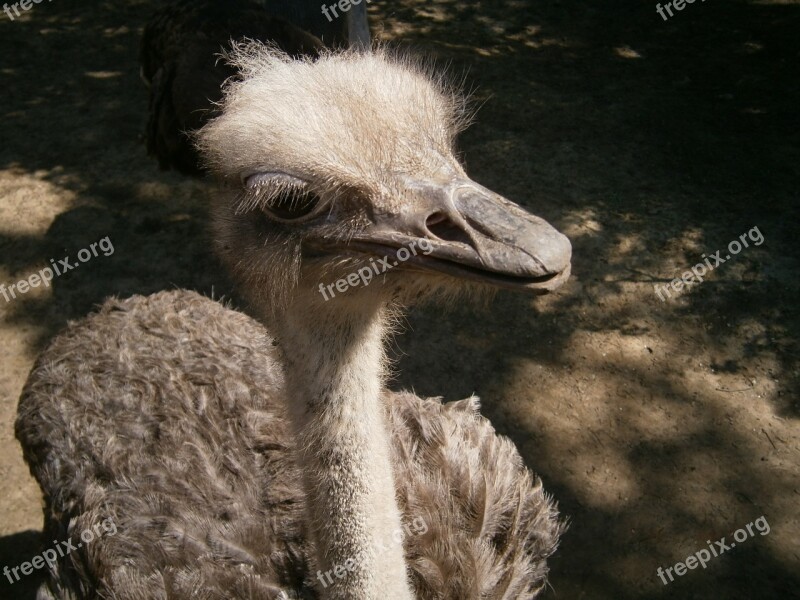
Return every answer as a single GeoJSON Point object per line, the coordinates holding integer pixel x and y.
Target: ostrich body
{"type": "Point", "coordinates": [244, 459]}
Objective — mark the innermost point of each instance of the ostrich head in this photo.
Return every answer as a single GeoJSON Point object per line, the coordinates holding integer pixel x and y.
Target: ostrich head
{"type": "Point", "coordinates": [345, 166]}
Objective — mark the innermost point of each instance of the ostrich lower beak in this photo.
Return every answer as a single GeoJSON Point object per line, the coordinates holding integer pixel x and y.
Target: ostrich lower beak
{"type": "Point", "coordinates": [467, 231]}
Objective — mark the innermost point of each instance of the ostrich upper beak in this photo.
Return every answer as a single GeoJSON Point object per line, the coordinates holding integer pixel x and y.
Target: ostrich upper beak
{"type": "Point", "coordinates": [468, 231]}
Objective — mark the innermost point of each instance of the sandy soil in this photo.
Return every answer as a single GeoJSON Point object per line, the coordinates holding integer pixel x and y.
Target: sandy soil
{"type": "Point", "coordinates": [657, 425]}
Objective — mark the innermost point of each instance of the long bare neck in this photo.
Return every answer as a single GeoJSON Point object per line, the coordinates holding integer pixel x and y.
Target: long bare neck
{"type": "Point", "coordinates": [334, 366]}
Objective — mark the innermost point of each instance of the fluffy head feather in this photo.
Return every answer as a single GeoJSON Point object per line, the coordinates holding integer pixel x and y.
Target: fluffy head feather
{"type": "Point", "coordinates": [345, 117]}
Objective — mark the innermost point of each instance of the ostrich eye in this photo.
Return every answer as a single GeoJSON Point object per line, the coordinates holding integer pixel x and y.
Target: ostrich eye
{"type": "Point", "coordinates": [280, 197]}
{"type": "Point", "coordinates": [292, 204]}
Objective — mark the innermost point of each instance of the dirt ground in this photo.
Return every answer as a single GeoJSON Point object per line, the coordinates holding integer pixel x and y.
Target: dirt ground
{"type": "Point", "coordinates": [657, 425]}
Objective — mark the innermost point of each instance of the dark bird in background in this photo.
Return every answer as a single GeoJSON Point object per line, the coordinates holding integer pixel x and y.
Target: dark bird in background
{"type": "Point", "coordinates": [180, 60]}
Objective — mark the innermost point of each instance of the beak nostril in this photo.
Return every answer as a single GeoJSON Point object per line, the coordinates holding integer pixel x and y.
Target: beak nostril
{"type": "Point", "coordinates": [435, 219]}
{"type": "Point", "coordinates": [441, 227]}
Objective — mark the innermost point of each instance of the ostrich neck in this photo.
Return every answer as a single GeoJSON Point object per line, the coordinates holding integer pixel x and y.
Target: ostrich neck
{"type": "Point", "coordinates": [334, 363]}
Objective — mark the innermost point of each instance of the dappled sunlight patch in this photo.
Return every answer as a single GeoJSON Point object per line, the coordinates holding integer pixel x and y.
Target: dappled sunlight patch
{"type": "Point", "coordinates": [604, 480]}
{"type": "Point", "coordinates": [691, 239]}
{"type": "Point", "coordinates": [10, 298]}
{"type": "Point", "coordinates": [495, 33]}
{"type": "Point", "coordinates": [30, 202]}
{"type": "Point", "coordinates": [434, 12]}
{"type": "Point", "coordinates": [103, 74]}
{"type": "Point", "coordinates": [542, 42]}
{"type": "Point", "coordinates": [626, 52]}
{"type": "Point", "coordinates": [627, 246]}
{"type": "Point", "coordinates": [635, 427]}
{"type": "Point", "coordinates": [592, 466]}
{"type": "Point", "coordinates": [581, 223]}
{"type": "Point", "coordinates": [111, 32]}
{"type": "Point", "coordinates": [187, 191]}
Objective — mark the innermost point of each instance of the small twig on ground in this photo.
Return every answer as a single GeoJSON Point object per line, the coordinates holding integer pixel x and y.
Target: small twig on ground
{"type": "Point", "coordinates": [769, 438]}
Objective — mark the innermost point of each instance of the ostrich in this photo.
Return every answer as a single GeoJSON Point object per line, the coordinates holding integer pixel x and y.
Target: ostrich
{"type": "Point", "coordinates": [179, 60]}
{"type": "Point", "coordinates": [263, 458]}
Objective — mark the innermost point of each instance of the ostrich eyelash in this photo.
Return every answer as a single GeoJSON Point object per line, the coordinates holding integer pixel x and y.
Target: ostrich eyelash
{"type": "Point", "coordinates": [280, 197]}
{"type": "Point", "coordinates": [260, 189]}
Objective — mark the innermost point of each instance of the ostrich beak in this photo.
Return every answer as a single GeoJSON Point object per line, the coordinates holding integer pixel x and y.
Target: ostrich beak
{"type": "Point", "coordinates": [467, 231]}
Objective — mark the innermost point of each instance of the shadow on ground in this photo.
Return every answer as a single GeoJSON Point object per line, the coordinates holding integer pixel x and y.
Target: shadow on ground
{"type": "Point", "coordinates": [15, 549]}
